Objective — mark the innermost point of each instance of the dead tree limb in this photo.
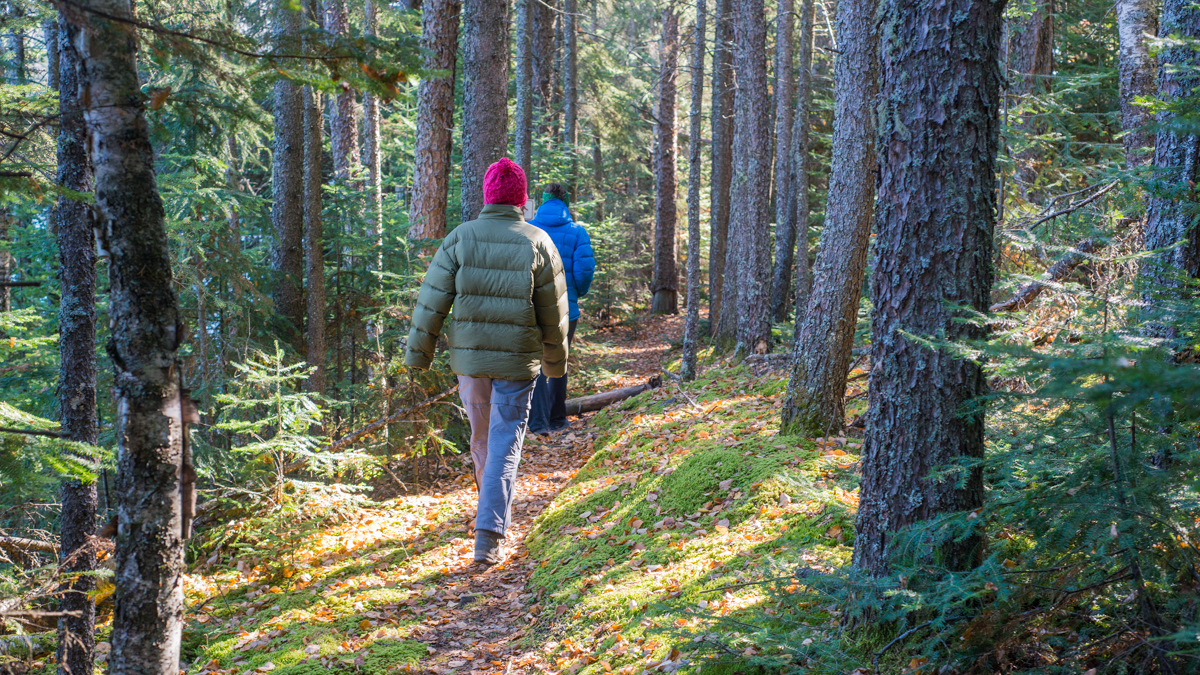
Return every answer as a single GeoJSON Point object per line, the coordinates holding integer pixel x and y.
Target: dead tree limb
{"type": "Point", "coordinates": [1060, 270]}
{"type": "Point", "coordinates": [22, 545]}
{"type": "Point", "coordinates": [583, 404]}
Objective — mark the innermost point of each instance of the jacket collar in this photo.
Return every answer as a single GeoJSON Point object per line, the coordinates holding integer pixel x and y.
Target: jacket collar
{"type": "Point", "coordinates": [500, 212]}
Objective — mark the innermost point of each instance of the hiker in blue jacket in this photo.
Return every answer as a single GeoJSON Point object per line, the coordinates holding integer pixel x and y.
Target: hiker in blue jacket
{"type": "Point", "coordinates": [549, 411]}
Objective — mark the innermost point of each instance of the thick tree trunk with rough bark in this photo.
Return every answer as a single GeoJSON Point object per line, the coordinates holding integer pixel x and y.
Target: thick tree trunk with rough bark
{"type": "Point", "coordinates": [666, 275]}
{"type": "Point", "coordinates": [287, 189]}
{"type": "Point", "coordinates": [77, 353]}
{"type": "Point", "coordinates": [435, 119]}
{"type": "Point", "coordinates": [523, 137]}
{"type": "Point", "coordinates": [785, 225]}
{"type": "Point", "coordinates": [799, 204]}
{"type": "Point", "coordinates": [1030, 63]}
{"type": "Point", "coordinates": [542, 51]}
{"type": "Point", "coordinates": [1136, 20]}
{"type": "Point", "coordinates": [749, 223]}
{"type": "Point", "coordinates": [691, 327]}
{"type": "Point", "coordinates": [314, 249]}
{"type": "Point", "coordinates": [485, 96]}
{"type": "Point", "coordinates": [815, 400]}
{"type": "Point", "coordinates": [343, 119]}
{"type": "Point", "coordinates": [938, 138]}
{"type": "Point", "coordinates": [1171, 208]}
{"type": "Point", "coordinates": [722, 168]}
{"type": "Point", "coordinates": [571, 90]}
{"type": "Point", "coordinates": [146, 330]}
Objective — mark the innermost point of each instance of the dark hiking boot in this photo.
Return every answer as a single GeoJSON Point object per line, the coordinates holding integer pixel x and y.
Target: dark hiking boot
{"type": "Point", "coordinates": [487, 547]}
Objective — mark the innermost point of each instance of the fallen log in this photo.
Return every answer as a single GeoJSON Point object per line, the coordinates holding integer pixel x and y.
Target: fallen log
{"type": "Point", "coordinates": [23, 545]}
{"type": "Point", "coordinates": [583, 404]}
{"type": "Point", "coordinates": [1058, 271]}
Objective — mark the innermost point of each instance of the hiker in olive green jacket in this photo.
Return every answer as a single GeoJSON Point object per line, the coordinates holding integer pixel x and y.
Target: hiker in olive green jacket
{"type": "Point", "coordinates": [505, 281]}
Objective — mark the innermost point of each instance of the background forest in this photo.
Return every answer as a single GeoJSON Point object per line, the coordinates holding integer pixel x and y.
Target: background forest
{"type": "Point", "coordinates": [956, 241]}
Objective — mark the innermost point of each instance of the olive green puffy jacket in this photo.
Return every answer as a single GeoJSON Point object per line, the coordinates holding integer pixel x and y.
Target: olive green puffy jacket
{"type": "Point", "coordinates": [505, 280]}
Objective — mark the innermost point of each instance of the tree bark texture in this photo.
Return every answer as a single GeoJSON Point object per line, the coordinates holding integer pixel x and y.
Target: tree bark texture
{"type": "Point", "coordinates": [598, 186]}
{"type": "Point", "coordinates": [800, 205]}
{"type": "Point", "coordinates": [287, 190]}
{"type": "Point", "coordinates": [749, 223]}
{"type": "Point", "coordinates": [523, 137]}
{"type": "Point", "coordinates": [343, 120]}
{"type": "Point", "coordinates": [146, 330]}
{"type": "Point", "coordinates": [815, 400]}
{"type": "Point", "coordinates": [314, 249]}
{"type": "Point", "coordinates": [722, 167]}
{"type": "Point", "coordinates": [77, 354]}
{"type": "Point", "coordinates": [1030, 63]}
{"type": "Point", "coordinates": [938, 139]}
{"type": "Point", "coordinates": [666, 274]}
{"type": "Point", "coordinates": [50, 36]}
{"type": "Point", "coordinates": [1136, 20]}
{"type": "Point", "coordinates": [1171, 208]}
{"type": "Point", "coordinates": [435, 120]}
{"type": "Point", "coordinates": [485, 96]}
{"type": "Point", "coordinates": [785, 225]}
{"type": "Point", "coordinates": [371, 149]}
{"type": "Point", "coordinates": [542, 50]}
{"type": "Point", "coordinates": [691, 327]}
{"type": "Point", "coordinates": [571, 88]}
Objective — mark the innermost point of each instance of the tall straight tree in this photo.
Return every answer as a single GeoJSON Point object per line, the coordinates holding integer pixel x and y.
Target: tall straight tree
{"type": "Point", "coordinates": [146, 330]}
{"type": "Point", "coordinates": [287, 186]}
{"type": "Point", "coordinates": [799, 207]}
{"type": "Point", "coordinates": [666, 275]}
{"type": "Point", "coordinates": [1137, 20]}
{"type": "Point", "coordinates": [542, 49]}
{"type": "Point", "coordinates": [523, 144]}
{"type": "Point", "coordinates": [371, 149]}
{"type": "Point", "coordinates": [785, 225]}
{"type": "Point", "coordinates": [749, 224]}
{"type": "Point", "coordinates": [938, 139]}
{"type": "Point", "coordinates": [343, 120]}
{"type": "Point", "coordinates": [485, 96]}
{"type": "Point", "coordinates": [1030, 64]}
{"type": "Point", "coordinates": [571, 88]}
{"type": "Point", "coordinates": [77, 354]}
{"type": "Point", "coordinates": [314, 249]}
{"type": "Point", "coordinates": [435, 119]}
{"type": "Point", "coordinates": [722, 167]}
{"type": "Point", "coordinates": [815, 400]}
{"type": "Point", "coordinates": [691, 327]}
{"type": "Point", "coordinates": [1170, 212]}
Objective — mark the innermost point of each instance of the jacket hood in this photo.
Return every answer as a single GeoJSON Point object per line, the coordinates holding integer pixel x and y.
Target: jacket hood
{"type": "Point", "coordinates": [552, 214]}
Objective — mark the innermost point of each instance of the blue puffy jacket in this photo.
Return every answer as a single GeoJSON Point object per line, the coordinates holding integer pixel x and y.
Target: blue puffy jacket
{"type": "Point", "coordinates": [574, 247]}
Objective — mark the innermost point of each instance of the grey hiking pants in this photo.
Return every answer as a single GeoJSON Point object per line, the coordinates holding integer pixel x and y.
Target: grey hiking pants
{"type": "Point", "coordinates": [499, 414]}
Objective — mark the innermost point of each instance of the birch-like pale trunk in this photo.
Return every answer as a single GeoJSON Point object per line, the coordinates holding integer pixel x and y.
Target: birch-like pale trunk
{"type": "Point", "coordinates": [1137, 22]}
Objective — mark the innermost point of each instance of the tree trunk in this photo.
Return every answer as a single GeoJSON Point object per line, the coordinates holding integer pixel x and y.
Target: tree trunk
{"type": "Point", "coordinates": [371, 151]}
{"type": "Point", "coordinates": [485, 96]}
{"type": "Point", "coordinates": [598, 189]}
{"type": "Point", "coordinates": [50, 36]}
{"type": "Point", "coordinates": [938, 138]}
{"type": "Point", "coordinates": [287, 191]}
{"type": "Point", "coordinates": [77, 353]}
{"type": "Point", "coordinates": [523, 143]}
{"type": "Point", "coordinates": [722, 165]}
{"type": "Point", "coordinates": [749, 224]}
{"type": "Point", "coordinates": [1031, 62]}
{"type": "Point", "coordinates": [815, 400]}
{"type": "Point", "coordinates": [146, 331]}
{"type": "Point", "coordinates": [691, 328]}
{"type": "Point", "coordinates": [800, 208]}
{"type": "Point", "coordinates": [785, 224]}
{"type": "Point", "coordinates": [1171, 207]}
{"type": "Point", "coordinates": [571, 90]}
{"type": "Point", "coordinates": [314, 249]}
{"type": "Point", "coordinates": [542, 50]}
{"type": "Point", "coordinates": [343, 122]}
{"type": "Point", "coordinates": [435, 119]}
{"type": "Point", "coordinates": [666, 275]}
{"type": "Point", "coordinates": [1136, 19]}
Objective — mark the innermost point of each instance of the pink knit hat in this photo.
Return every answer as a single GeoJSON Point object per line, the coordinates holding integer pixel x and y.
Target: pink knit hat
{"type": "Point", "coordinates": [504, 183]}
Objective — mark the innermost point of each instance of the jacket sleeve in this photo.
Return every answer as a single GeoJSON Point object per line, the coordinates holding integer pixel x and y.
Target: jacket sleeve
{"type": "Point", "coordinates": [584, 264]}
{"type": "Point", "coordinates": [553, 313]}
{"type": "Point", "coordinates": [433, 304]}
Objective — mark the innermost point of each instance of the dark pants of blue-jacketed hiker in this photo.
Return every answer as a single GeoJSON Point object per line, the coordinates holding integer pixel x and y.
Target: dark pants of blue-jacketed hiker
{"type": "Point", "coordinates": [549, 408]}
{"type": "Point", "coordinates": [499, 414]}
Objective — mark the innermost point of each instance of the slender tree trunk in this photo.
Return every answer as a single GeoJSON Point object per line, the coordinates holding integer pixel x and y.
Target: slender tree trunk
{"type": "Point", "coordinates": [435, 119]}
{"type": "Point", "coordinates": [146, 331]}
{"type": "Point", "coordinates": [1031, 62]}
{"type": "Point", "coordinates": [50, 36]}
{"type": "Point", "coordinates": [1171, 208]}
{"type": "Point", "coordinates": [524, 131]}
{"type": "Point", "coordinates": [938, 139]}
{"type": "Point", "coordinates": [691, 328]}
{"type": "Point", "coordinates": [785, 225]}
{"type": "Point", "coordinates": [666, 275]}
{"type": "Point", "coordinates": [598, 189]}
{"type": "Point", "coordinates": [371, 148]}
{"type": "Point", "coordinates": [722, 166]}
{"type": "Point", "coordinates": [1136, 19]}
{"type": "Point", "coordinates": [571, 89]}
{"type": "Point", "coordinates": [749, 223]}
{"type": "Point", "coordinates": [314, 249]}
{"type": "Point", "coordinates": [287, 191]}
{"type": "Point", "coordinates": [77, 354]}
{"type": "Point", "coordinates": [542, 50]}
{"type": "Point", "coordinates": [799, 198]}
{"type": "Point", "coordinates": [815, 400]}
{"type": "Point", "coordinates": [343, 123]}
{"type": "Point", "coordinates": [485, 96]}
